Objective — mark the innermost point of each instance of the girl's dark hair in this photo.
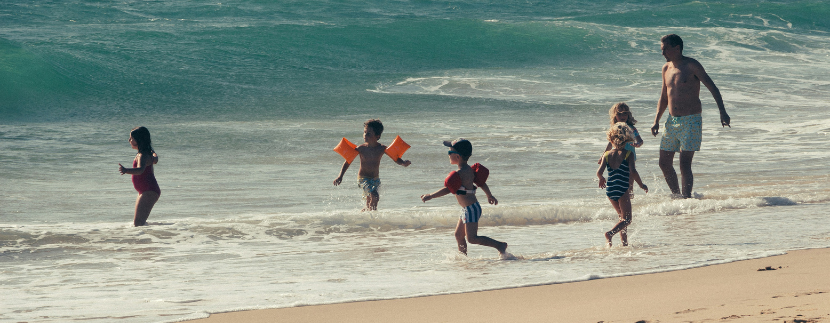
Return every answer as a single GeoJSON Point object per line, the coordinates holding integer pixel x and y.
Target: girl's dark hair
{"type": "Point", "coordinates": [142, 139]}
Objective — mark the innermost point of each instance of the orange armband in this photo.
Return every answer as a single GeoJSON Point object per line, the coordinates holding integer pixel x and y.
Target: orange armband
{"type": "Point", "coordinates": [346, 149]}
{"type": "Point", "coordinates": [397, 148]}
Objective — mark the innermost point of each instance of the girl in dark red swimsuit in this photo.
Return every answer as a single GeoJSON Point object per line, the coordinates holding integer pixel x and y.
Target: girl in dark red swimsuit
{"type": "Point", "coordinates": [143, 179]}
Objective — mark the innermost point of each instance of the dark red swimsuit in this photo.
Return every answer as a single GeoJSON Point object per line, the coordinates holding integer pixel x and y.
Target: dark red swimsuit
{"type": "Point", "coordinates": [146, 181]}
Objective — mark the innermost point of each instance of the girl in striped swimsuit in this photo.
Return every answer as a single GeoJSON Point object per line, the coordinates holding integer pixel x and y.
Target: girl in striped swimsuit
{"type": "Point", "coordinates": [621, 169]}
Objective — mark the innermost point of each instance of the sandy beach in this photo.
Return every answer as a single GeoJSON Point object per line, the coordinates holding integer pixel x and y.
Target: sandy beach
{"type": "Point", "coordinates": [794, 287]}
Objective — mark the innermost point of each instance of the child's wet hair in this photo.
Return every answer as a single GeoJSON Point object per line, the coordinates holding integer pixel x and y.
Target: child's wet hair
{"type": "Point", "coordinates": [375, 125]}
{"type": "Point", "coordinates": [142, 139]}
{"type": "Point", "coordinates": [619, 134]}
{"type": "Point", "coordinates": [621, 106]}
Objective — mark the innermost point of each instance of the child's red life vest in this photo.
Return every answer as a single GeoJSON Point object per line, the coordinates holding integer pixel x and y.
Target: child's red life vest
{"type": "Point", "coordinates": [453, 181]}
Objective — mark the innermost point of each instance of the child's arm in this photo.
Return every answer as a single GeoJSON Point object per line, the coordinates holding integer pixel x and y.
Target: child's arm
{"type": "Point", "coordinates": [490, 198]}
{"type": "Point", "coordinates": [600, 171]}
{"type": "Point", "coordinates": [607, 148]}
{"type": "Point", "coordinates": [438, 193]}
{"type": "Point", "coordinates": [142, 164]}
{"type": "Point", "coordinates": [402, 162]}
{"type": "Point", "coordinates": [638, 141]}
{"type": "Point", "coordinates": [155, 158]}
{"type": "Point", "coordinates": [342, 171]}
{"type": "Point", "coordinates": [636, 176]}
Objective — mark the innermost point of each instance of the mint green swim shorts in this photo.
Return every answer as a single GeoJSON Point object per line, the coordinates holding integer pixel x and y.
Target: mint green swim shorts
{"type": "Point", "coordinates": [682, 133]}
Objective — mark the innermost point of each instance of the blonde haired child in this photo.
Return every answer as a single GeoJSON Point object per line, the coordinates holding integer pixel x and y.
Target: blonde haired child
{"type": "Point", "coordinates": [621, 169]}
{"type": "Point", "coordinates": [620, 112]}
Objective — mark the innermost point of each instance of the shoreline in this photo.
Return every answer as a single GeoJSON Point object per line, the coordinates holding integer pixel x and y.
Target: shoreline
{"type": "Point", "coordinates": [793, 287]}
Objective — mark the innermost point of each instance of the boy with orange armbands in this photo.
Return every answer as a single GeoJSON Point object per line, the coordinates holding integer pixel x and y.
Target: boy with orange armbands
{"type": "Point", "coordinates": [370, 152]}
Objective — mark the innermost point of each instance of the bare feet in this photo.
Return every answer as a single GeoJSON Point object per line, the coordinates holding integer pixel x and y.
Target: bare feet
{"type": "Point", "coordinates": [608, 239]}
{"type": "Point", "coordinates": [462, 248]}
{"type": "Point", "coordinates": [503, 248]}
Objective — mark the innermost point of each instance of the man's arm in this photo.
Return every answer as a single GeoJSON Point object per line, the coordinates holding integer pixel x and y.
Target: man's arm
{"type": "Point", "coordinates": [707, 81]}
{"type": "Point", "coordinates": [662, 104]}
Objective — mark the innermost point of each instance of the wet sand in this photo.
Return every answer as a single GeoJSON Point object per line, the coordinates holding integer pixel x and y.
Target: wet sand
{"type": "Point", "coordinates": [789, 288]}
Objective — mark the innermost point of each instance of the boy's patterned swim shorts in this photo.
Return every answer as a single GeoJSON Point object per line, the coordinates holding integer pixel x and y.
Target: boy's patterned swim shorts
{"type": "Point", "coordinates": [369, 185]}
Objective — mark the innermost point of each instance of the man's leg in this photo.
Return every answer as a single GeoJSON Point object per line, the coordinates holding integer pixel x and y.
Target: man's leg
{"type": "Point", "coordinates": [686, 172]}
{"type": "Point", "coordinates": [666, 165]}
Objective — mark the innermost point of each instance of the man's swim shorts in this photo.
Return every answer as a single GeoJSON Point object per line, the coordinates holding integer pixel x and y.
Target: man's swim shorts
{"type": "Point", "coordinates": [682, 133]}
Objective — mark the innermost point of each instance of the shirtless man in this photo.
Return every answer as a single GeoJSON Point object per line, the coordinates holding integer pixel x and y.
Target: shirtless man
{"type": "Point", "coordinates": [681, 95]}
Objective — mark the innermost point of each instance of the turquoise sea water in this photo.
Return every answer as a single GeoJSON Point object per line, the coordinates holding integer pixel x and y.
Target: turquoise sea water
{"type": "Point", "coordinates": [246, 99]}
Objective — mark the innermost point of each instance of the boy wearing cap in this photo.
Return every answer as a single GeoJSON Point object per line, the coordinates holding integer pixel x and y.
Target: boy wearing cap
{"type": "Point", "coordinates": [463, 183]}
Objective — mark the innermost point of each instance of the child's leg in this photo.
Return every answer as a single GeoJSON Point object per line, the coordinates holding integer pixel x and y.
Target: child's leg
{"type": "Point", "coordinates": [460, 234]}
{"type": "Point", "coordinates": [624, 235]}
{"type": "Point", "coordinates": [473, 237]}
{"type": "Point", "coordinates": [372, 201]}
{"type": "Point", "coordinates": [143, 205]}
{"type": "Point", "coordinates": [375, 197]}
{"type": "Point", "coordinates": [623, 208]}
{"type": "Point", "coordinates": [609, 234]}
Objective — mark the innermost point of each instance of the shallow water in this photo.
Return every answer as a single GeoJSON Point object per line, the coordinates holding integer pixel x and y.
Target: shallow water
{"type": "Point", "coordinates": [245, 101]}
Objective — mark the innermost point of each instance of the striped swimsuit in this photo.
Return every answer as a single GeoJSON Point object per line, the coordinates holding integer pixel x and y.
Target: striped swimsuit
{"type": "Point", "coordinates": [471, 213]}
{"type": "Point", "coordinates": [618, 179]}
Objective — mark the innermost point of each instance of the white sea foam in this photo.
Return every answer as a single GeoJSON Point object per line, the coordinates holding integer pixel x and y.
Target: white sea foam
{"type": "Point", "coordinates": [249, 217]}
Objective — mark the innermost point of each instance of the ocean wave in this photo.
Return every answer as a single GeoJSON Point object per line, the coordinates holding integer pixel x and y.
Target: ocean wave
{"type": "Point", "coordinates": [40, 238]}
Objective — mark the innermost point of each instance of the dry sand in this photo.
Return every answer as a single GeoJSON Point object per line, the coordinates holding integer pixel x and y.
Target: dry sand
{"type": "Point", "coordinates": [797, 290]}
